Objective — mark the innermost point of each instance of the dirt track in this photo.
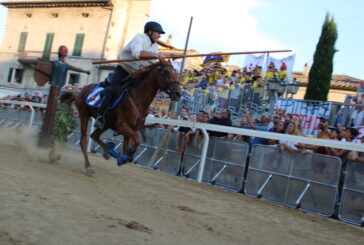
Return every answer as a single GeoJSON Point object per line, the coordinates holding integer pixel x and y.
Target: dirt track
{"type": "Point", "coordinates": [58, 204]}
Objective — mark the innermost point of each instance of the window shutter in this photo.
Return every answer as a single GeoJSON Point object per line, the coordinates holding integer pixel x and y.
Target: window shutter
{"type": "Point", "coordinates": [77, 49]}
{"type": "Point", "coordinates": [48, 45]}
{"type": "Point", "coordinates": [22, 41]}
{"type": "Point", "coordinates": [10, 75]}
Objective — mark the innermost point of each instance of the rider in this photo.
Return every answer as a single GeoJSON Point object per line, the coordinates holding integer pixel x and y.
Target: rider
{"type": "Point", "coordinates": [141, 46]}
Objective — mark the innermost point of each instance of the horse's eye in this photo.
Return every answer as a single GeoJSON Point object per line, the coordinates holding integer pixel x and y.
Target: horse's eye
{"type": "Point", "coordinates": [165, 73]}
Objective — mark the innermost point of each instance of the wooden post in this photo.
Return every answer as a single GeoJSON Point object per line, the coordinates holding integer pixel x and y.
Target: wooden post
{"type": "Point", "coordinates": [45, 139]}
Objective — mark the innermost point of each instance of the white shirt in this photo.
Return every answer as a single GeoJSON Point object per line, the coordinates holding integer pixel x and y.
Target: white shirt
{"type": "Point", "coordinates": [141, 42]}
{"type": "Point", "coordinates": [357, 117]}
{"type": "Point", "coordinates": [289, 144]}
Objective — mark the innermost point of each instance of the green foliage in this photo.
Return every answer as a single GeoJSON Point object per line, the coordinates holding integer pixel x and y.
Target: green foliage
{"type": "Point", "coordinates": [64, 123]}
{"type": "Point", "coordinates": [321, 71]}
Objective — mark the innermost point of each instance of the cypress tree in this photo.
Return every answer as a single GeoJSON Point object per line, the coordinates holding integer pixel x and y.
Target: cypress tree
{"type": "Point", "coordinates": [321, 71]}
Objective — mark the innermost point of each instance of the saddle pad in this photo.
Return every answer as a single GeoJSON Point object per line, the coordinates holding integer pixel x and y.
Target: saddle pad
{"type": "Point", "coordinates": [94, 99]}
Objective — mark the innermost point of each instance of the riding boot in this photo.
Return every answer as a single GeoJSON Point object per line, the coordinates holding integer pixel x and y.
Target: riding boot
{"type": "Point", "coordinates": [101, 112]}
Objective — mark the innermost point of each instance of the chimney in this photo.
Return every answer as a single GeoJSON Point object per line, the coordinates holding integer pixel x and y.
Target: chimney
{"type": "Point", "coordinates": [306, 71]}
{"type": "Point", "coordinates": [170, 38]}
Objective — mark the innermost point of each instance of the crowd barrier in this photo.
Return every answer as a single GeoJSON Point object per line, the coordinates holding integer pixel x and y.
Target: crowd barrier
{"type": "Point", "coordinates": [310, 182]}
{"type": "Point", "coordinates": [238, 99]}
{"type": "Point", "coordinates": [352, 198]}
{"type": "Point", "coordinates": [305, 181]}
{"type": "Point", "coordinates": [14, 118]}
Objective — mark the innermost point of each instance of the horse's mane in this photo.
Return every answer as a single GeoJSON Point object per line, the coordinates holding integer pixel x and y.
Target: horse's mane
{"type": "Point", "coordinates": [143, 72]}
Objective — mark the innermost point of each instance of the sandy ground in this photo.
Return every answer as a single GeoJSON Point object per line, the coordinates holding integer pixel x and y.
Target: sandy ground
{"type": "Point", "coordinates": [41, 203]}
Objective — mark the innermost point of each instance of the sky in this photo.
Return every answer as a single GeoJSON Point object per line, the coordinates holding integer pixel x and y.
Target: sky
{"type": "Point", "coordinates": [250, 25]}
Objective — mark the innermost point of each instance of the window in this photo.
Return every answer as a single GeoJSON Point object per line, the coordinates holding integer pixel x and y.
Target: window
{"type": "Point", "coordinates": [15, 75]}
{"type": "Point", "coordinates": [48, 45]}
{"type": "Point", "coordinates": [22, 41]}
{"type": "Point", "coordinates": [85, 15]}
{"type": "Point", "coordinates": [55, 15]}
{"type": "Point", "coordinates": [77, 49]}
{"type": "Point", "coordinates": [74, 79]}
{"type": "Point", "coordinates": [28, 15]}
{"type": "Point", "coordinates": [10, 75]}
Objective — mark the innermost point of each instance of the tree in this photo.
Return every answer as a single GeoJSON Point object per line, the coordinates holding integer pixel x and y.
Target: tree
{"type": "Point", "coordinates": [320, 74]}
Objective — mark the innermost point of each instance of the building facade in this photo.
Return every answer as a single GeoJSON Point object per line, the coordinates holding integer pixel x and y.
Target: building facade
{"type": "Point", "coordinates": [91, 29]}
{"type": "Point", "coordinates": [340, 87]}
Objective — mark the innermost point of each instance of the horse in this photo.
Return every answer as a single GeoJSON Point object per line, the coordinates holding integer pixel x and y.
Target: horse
{"type": "Point", "coordinates": [128, 116]}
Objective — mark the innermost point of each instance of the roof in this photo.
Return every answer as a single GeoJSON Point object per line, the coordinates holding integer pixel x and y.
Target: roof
{"type": "Point", "coordinates": [56, 3]}
{"type": "Point", "coordinates": [342, 82]}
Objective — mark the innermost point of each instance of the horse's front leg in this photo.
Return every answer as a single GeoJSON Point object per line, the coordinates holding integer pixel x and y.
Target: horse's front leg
{"type": "Point", "coordinates": [126, 144]}
{"type": "Point", "coordinates": [129, 152]}
{"type": "Point", "coordinates": [96, 137]}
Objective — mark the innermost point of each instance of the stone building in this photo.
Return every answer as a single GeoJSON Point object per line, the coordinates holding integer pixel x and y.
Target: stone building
{"type": "Point", "coordinates": [91, 29]}
{"type": "Point", "coordinates": [340, 86]}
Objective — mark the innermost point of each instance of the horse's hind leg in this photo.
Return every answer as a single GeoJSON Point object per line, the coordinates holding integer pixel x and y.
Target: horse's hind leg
{"type": "Point", "coordinates": [83, 142]}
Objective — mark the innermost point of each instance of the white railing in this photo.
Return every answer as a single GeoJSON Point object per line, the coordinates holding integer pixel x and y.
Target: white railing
{"type": "Point", "coordinates": [26, 103]}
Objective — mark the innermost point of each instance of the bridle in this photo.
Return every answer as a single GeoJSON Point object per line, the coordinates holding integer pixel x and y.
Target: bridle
{"type": "Point", "coordinates": [165, 74]}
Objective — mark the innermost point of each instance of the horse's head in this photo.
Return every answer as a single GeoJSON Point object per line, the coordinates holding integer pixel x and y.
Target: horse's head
{"type": "Point", "coordinates": [168, 82]}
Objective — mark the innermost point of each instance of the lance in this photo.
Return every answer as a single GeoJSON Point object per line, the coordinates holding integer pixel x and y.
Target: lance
{"type": "Point", "coordinates": [190, 55]}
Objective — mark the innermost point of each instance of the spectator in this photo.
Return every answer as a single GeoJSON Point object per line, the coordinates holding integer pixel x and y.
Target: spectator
{"type": "Point", "coordinates": [262, 126]}
{"type": "Point", "coordinates": [288, 118]}
{"type": "Point", "coordinates": [279, 128]}
{"type": "Point", "coordinates": [204, 82]}
{"type": "Point", "coordinates": [273, 124]}
{"type": "Point", "coordinates": [181, 130]}
{"type": "Point", "coordinates": [221, 118]}
{"type": "Point", "coordinates": [288, 145]}
{"type": "Point", "coordinates": [356, 118]}
{"type": "Point", "coordinates": [357, 156]}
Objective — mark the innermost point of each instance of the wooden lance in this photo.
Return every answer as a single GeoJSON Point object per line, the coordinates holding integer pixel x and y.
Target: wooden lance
{"type": "Point", "coordinates": [189, 55]}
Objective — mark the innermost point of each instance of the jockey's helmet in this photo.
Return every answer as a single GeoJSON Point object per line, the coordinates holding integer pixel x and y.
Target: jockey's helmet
{"type": "Point", "coordinates": [153, 26]}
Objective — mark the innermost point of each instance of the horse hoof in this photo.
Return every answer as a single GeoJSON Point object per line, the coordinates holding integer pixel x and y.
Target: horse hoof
{"type": "Point", "coordinates": [90, 171]}
{"type": "Point", "coordinates": [106, 156]}
{"type": "Point", "coordinates": [123, 159]}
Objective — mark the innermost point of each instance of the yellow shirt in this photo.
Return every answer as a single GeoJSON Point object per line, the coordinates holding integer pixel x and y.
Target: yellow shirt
{"type": "Point", "coordinates": [224, 93]}
{"type": "Point", "coordinates": [269, 75]}
{"type": "Point", "coordinates": [282, 74]}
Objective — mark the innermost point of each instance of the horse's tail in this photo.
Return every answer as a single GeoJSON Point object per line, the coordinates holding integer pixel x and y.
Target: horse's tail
{"type": "Point", "coordinates": [68, 97]}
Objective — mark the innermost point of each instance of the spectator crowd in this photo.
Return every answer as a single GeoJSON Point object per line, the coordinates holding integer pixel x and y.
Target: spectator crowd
{"type": "Point", "coordinates": [35, 98]}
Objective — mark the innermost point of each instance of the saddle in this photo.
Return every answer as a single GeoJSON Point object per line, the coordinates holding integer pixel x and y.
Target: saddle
{"type": "Point", "coordinates": [94, 98]}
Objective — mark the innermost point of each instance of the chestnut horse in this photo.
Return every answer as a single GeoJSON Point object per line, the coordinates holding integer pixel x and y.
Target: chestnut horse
{"type": "Point", "coordinates": [128, 116]}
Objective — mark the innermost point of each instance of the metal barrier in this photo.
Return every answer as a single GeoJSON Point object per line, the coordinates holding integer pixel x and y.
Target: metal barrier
{"type": "Point", "coordinates": [352, 198]}
{"type": "Point", "coordinates": [14, 118]}
{"type": "Point", "coordinates": [305, 181]}
{"type": "Point", "coordinates": [238, 99]}
{"type": "Point", "coordinates": [225, 161]}
{"type": "Point", "coordinates": [168, 159]}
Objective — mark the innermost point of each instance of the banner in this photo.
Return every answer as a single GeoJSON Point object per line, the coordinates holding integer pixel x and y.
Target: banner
{"type": "Point", "coordinates": [281, 64]}
{"type": "Point", "coordinates": [215, 58]}
{"type": "Point", "coordinates": [251, 61]}
{"type": "Point", "coordinates": [360, 135]}
{"type": "Point", "coordinates": [308, 112]}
